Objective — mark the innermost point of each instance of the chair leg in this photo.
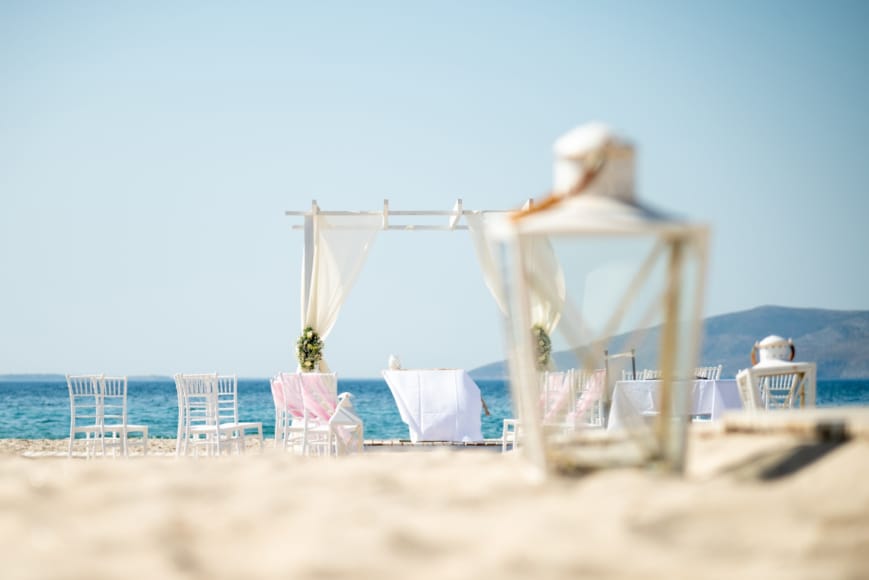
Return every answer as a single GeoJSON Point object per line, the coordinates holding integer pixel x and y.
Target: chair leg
{"type": "Point", "coordinates": [181, 424]}
{"type": "Point", "coordinates": [185, 439]}
{"type": "Point", "coordinates": [278, 426]}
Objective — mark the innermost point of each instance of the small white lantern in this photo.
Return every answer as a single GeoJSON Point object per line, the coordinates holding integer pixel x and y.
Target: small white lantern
{"type": "Point", "coordinates": [772, 348]}
{"type": "Point", "coordinates": [627, 278]}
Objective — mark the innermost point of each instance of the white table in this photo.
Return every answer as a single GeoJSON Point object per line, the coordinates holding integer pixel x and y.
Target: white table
{"type": "Point", "coordinates": [437, 404]}
{"type": "Point", "coordinates": [634, 400]}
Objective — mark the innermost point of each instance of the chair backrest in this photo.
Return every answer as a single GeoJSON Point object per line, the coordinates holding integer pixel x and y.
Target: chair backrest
{"type": "Point", "coordinates": [85, 399]}
{"type": "Point", "coordinates": [772, 388]}
{"type": "Point", "coordinates": [589, 389]}
{"type": "Point", "coordinates": [555, 398]}
{"type": "Point", "coordinates": [745, 385]}
{"type": "Point", "coordinates": [715, 373]}
{"type": "Point", "coordinates": [277, 392]}
{"type": "Point", "coordinates": [197, 396]}
{"type": "Point", "coordinates": [613, 362]}
{"type": "Point", "coordinates": [709, 373]}
{"type": "Point", "coordinates": [227, 398]}
{"type": "Point", "coordinates": [114, 395]}
{"type": "Point", "coordinates": [782, 391]}
{"type": "Point", "coordinates": [317, 396]}
{"type": "Point", "coordinates": [291, 394]}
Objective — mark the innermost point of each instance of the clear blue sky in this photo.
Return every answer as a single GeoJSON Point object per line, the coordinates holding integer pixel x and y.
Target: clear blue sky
{"type": "Point", "coordinates": [149, 150]}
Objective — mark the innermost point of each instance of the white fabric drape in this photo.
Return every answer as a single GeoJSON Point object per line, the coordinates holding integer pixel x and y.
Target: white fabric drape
{"type": "Point", "coordinates": [485, 251]}
{"type": "Point", "coordinates": [340, 248]}
{"type": "Point", "coordinates": [546, 287]}
{"type": "Point", "coordinates": [542, 271]}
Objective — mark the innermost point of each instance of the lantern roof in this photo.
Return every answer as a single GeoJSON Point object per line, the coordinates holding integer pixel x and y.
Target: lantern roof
{"type": "Point", "coordinates": [598, 215]}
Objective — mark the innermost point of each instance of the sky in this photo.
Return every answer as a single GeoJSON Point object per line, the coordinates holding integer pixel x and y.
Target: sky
{"type": "Point", "coordinates": [148, 152]}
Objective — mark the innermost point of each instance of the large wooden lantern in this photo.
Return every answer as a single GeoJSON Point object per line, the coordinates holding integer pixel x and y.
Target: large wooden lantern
{"type": "Point", "coordinates": [612, 276]}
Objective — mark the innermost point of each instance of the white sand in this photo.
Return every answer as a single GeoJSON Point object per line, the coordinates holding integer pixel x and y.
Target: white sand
{"type": "Point", "coordinates": [433, 514]}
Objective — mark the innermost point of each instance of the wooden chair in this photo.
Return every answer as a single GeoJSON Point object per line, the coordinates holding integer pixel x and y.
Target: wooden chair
{"type": "Point", "coordinates": [777, 385]}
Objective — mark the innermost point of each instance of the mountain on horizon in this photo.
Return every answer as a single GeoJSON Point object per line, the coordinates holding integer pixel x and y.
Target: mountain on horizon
{"type": "Point", "coordinates": [837, 340]}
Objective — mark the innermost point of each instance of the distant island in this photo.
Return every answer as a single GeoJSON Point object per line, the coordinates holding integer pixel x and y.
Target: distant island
{"type": "Point", "coordinates": [837, 340]}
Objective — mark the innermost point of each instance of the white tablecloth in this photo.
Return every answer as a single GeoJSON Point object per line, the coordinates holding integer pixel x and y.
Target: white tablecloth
{"type": "Point", "coordinates": [437, 405]}
{"type": "Point", "coordinates": [634, 400]}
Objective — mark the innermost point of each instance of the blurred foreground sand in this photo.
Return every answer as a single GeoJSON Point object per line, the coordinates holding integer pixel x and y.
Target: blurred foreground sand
{"type": "Point", "coordinates": [431, 514]}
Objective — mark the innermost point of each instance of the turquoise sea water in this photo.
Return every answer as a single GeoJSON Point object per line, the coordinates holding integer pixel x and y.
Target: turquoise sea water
{"type": "Point", "coordinates": [40, 409]}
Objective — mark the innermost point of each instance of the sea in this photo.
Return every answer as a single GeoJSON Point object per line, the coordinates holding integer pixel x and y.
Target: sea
{"type": "Point", "coordinates": [39, 409]}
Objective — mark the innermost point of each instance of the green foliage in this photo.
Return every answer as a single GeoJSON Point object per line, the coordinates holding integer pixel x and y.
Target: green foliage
{"type": "Point", "coordinates": [543, 347]}
{"type": "Point", "coordinates": [309, 350]}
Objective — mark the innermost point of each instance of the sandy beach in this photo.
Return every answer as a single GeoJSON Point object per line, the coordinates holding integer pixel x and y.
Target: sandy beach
{"type": "Point", "coordinates": [438, 513]}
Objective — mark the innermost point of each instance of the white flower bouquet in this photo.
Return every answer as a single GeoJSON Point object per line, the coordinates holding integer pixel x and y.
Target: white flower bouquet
{"type": "Point", "coordinates": [544, 347]}
{"type": "Point", "coordinates": [309, 350]}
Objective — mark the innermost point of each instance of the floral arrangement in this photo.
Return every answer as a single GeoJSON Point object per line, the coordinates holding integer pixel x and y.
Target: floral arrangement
{"type": "Point", "coordinates": [309, 350]}
{"type": "Point", "coordinates": [543, 347]}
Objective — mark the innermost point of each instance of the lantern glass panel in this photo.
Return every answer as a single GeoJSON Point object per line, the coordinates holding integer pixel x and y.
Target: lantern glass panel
{"type": "Point", "coordinates": [587, 314]}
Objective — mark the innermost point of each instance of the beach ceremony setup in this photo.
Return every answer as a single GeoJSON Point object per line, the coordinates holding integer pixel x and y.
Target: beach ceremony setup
{"type": "Point", "coordinates": [705, 443]}
{"type": "Point", "coordinates": [437, 405]}
{"type": "Point", "coordinates": [434, 291]}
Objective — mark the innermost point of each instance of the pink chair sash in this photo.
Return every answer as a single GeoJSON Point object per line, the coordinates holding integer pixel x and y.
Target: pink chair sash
{"type": "Point", "coordinates": [318, 399]}
{"type": "Point", "coordinates": [555, 395]}
{"type": "Point", "coordinates": [277, 393]}
{"type": "Point", "coordinates": [591, 393]}
{"type": "Point", "coordinates": [292, 395]}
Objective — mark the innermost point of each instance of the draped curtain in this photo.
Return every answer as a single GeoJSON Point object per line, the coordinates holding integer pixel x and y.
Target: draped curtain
{"type": "Point", "coordinates": [484, 249]}
{"type": "Point", "coordinates": [542, 271]}
{"type": "Point", "coordinates": [339, 248]}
